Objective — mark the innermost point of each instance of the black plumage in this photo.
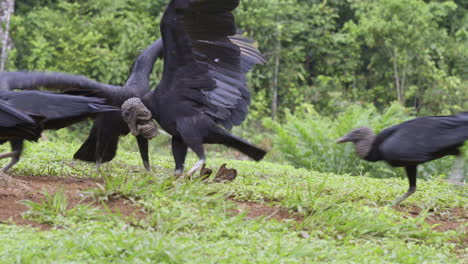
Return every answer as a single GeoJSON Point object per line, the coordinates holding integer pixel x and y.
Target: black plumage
{"type": "Point", "coordinates": [50, 111]}
{"type": "Point", "coordinates": [15, 124]}
{"type": "Point", "coordinates": [411, 143]}
{"type": "Point", "coordinates": [101, 144]}
{"type": "Point", "coordinates": [204, 84]}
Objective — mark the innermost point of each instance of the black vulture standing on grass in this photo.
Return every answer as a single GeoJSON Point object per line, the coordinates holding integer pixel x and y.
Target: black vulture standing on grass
{"type": "Point", "coordinates": [52, 111]}
{"type": "Point", "coordinates": [204, 84]}
{"type": "Point", "coordinates": [411, 143]}
{"type": "Point", "coordinates": [101, 144]}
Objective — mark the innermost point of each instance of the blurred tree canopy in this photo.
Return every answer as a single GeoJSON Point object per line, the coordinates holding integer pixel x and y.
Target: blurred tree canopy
{"type": "Point", "coordinates": [325, 53]}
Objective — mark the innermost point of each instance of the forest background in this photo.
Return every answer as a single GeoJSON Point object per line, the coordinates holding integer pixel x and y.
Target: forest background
{"type": "Point", "coordinates": [332, 65]}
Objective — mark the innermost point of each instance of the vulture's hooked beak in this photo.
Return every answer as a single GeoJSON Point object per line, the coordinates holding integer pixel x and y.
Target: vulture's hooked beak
{"type": "Point", "coordinates": [139, 118]}
{"type": "Point", "coordinates": [344, 139]}
{"type": "Point", "coordinates": [133, 128]}
{"type": "Point", "coordinates": [130, 118]}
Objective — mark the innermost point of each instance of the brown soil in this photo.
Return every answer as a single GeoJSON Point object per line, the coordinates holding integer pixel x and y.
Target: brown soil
{"type": "Point", "coordinates": [21, 188]}
{"type": "Point", "coordinates": [452, 219]}
{"type": "Point", "coordinates": [253, 210]}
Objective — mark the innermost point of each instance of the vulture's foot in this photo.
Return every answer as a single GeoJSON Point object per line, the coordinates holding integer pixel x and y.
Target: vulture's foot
{"type": "Point", "coordinates": [98, 167]}
{"type": "Point", "coordinates": [410, 191]}
{"type": "Point", "coordinates": [195, 167]}
{"type": "Point", "coordinates": [14, 155]}
{"type": "Point", "coordinates": [225, 174]}
{"type": "Point", "coordinates": [147, 165]}
{"type": "Point", "coordinates": [179, 173]}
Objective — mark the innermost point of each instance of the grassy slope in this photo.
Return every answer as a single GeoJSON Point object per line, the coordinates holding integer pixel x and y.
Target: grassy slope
{"type": "Point", "coordinates": [345, 220]}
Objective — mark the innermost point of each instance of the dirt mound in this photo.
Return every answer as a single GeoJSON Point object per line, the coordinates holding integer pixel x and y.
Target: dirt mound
{"type": "Point", "coordinates": [20, 188]}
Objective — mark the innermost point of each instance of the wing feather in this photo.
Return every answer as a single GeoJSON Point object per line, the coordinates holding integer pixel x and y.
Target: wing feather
{"type": "Point", "coordinates": [204, 54]}
{"type": "Point", "coordinates": [56, 81]}
{"type": "Point", "coordinates": [16, 124]}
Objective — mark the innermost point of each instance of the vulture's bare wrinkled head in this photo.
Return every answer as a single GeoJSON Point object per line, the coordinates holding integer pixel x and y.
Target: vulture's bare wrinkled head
{"type": "Point", "coordinates": [139, 118]}
{"type": "Point", "coordinates": [357, 135]}
{"type": "Point", "coordinates": [362, 137]}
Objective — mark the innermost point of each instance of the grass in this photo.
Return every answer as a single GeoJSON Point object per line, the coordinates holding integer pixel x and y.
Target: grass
{"type": "Point", "coordinates": [187, 221]}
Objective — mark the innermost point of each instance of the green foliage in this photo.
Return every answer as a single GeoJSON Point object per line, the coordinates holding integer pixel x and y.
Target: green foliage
{"type": "Point", "coordinates": [307, 139]}
{"type": "Point", "coordinates": [98, 39]}
{"type": "Point", "coordinates": [326, 51]}
{"type": "Point", "coordinates": [409, 52]}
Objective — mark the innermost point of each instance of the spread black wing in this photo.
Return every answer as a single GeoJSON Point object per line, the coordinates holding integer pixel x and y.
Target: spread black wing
{"type": "Point", "coordinates": [137, 82]}
{"type": "Point", "coordinates": [207, 63]}
{"type": "Point", "coordinates": [58, 110]}
{"type": "Point", "coordinates": [139, 76]}
{"type": "Point", "coordinates": [16, 124]}
{"type": "Point", "coordinates": [52, 80]}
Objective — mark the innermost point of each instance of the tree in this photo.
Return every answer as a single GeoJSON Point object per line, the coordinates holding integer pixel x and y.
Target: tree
{"type": "Point", "coordinates": [7, 9]}
{"type": "Point", "coordinates": [405, 40]}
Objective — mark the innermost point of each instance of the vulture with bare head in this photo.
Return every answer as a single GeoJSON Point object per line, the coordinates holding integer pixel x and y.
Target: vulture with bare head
{"type": "Point", "coordinates": [413, 142]}
{"type": "Point", "coordinates": [101, 144]}
{"type": "Point", "coordinates": [203, 87]}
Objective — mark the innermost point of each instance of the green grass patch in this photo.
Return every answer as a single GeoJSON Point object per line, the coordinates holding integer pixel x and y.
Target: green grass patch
{"type": "Point", "coordinates": [344, 218]}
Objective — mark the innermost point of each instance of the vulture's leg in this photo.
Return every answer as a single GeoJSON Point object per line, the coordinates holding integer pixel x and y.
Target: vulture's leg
{"type": "Point", "coordinates": [456, 176]}
{"type": "Point", "coordinates": [143, 147]}
{"type": "Point", "coordinates": [191, 130]}
{"type": "Point", "coordinates": [411, 172]}
{"type": "Point", "coordinates": [198, 149]}
{"type": "Point", "coordinates": [17, 148]}
{"type": "Point", "coordinates": [179, 152]}
{"type": "Point", "coordinates": [98, 156]}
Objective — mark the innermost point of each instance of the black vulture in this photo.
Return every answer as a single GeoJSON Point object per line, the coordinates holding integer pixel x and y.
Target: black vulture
{"type": "Point", "coordinates": [51, 110]}
{"type": "Point", "coordinates": [203, 86]}
{"type": "Point", "coordinates": [101, 144]}
{"type": "Point", "coordinates": [411, 143]}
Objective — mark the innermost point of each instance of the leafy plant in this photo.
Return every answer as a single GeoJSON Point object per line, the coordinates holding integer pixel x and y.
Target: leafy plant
{"type": "Point", "coordinates": [56, 210]}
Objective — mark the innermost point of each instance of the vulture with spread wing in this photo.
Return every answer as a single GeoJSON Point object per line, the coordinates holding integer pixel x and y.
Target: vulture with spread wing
{"type": "Point", "coordinates": [49, 110]}
{"type": "Point", "coordinates": [413, 142]}
{"type": "Point", "coordinates": [203, 86]}
{"type": "Point", "coordinates": [101, 144]}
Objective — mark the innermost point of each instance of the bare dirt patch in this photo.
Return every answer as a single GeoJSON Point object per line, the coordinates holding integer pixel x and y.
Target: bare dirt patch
{"type": "Point", "coordinates": [254, 210]}
{"type": "Point", "coordinates": [452, 219]}
{"type": "Point", "coordinates": [32, 188]}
